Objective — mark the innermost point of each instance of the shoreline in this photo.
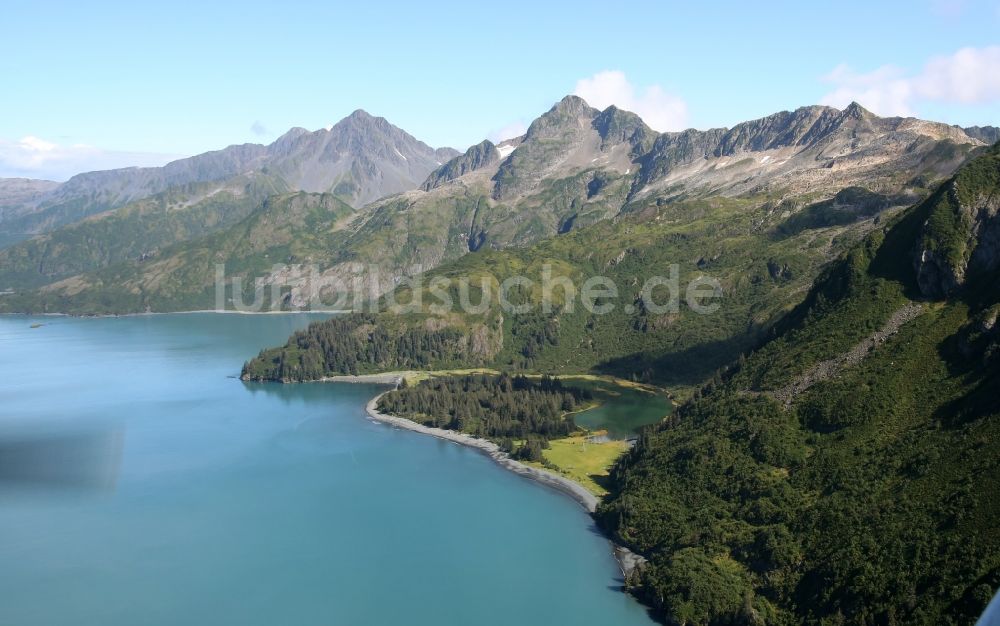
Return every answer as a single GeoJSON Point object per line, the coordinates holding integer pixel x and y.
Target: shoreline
{"type": "Point", "coordinates": [550, 479]}
{"type": "Point", "coordinates": [627, 560]}
{"type": "Point", "coordinates": [387, 378]}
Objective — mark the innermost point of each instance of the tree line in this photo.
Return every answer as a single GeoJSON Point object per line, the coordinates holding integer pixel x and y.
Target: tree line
{"type": "Point", "coordinates": [355, 344]}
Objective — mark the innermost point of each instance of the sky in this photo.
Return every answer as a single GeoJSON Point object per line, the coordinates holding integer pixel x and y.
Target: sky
{"type": "Point", "coordinates": [94, 85]}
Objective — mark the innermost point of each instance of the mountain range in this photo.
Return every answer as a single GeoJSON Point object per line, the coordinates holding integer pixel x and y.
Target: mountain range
{"type": "Point", "coordinates": [359, 159]}
{"type": "Point", "coordinates": [575, 166]}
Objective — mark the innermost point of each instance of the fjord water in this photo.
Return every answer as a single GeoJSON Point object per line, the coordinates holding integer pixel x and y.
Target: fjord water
{"type": "Point", "coordinates": [266, 504]}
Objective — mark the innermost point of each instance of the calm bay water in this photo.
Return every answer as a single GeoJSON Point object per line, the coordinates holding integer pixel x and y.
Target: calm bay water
{"type": "Point", "coordinates": [623, 410]}
{"type": "Point", "coordinates": [267, 504]}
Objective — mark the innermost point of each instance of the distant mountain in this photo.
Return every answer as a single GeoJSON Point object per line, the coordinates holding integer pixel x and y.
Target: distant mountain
{"type": "Point", "coordinates": [475, 158]}
{"type": "Point", "coordinates": [834, 146]}
{"type": "Point", "coordinates": [360, 159]}
{"type": "Point", "coordinates": [764, 248]}
{"type": "Point", "coordinates": [137, 231]}
{"type": "Point", "coordinates": [17, 197]}
{"type": "Point", "coordinates": [574, 167]}
{"type": "Point", "coordinates": [987, 134]}
{"type": "Point", "coordinates": [21, 192]}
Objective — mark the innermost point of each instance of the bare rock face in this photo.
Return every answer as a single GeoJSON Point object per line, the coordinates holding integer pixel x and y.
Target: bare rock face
{"type": "Point", "coordinates": [961, 237]}
{"type": "Point", "coordinates": [477, 157]}
{"type": "Point", "coordinates": [550, 141]}
{"type": "Point", "coordinates": [986, 134]}
{"type": "Point", "coordinates": [936, 277]}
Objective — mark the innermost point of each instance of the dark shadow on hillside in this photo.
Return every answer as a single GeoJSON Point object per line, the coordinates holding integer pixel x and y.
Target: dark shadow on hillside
{"type": "Point", "coordinates": [973, 355]}
{"type": "Point", "coordinates": [847, 207]}
{"type": "Point", "coordinates": [690, 366]}
{"type": "Point", "coordinates": [894, 258]}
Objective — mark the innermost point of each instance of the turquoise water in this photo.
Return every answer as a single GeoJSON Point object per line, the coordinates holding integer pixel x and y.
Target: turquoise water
{"type": "Point", "coordinates": [623, 410]}
{"type": "Point", "coordinates": [267, 504]}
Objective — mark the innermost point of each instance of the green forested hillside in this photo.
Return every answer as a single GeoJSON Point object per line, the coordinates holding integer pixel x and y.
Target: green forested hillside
{"type": "Point", "coordinates": [802, 488]}
{"type": "Point", "coordinates": [761, 272]}
{"type": "Point", "coordinates": [135, 232]}
{"type": "Point", "coordinates": [283, 229]}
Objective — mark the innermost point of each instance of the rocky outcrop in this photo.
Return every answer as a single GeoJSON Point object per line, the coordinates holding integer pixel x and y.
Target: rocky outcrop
{"type": "Point", "coordinates": [616, 126]}
{"type": "Point", "coordinates": [980, 337]}
{"type": "Point", "coordinates": [828, 141]}
{"type": "Point", "coordinates": [475, 158]}
{"type": "Point", "coordinates": [961, 235]}
{"type": "Point", "coordinates": [986, 134]}
{"type": "Point", "coordinates": [826, 370]}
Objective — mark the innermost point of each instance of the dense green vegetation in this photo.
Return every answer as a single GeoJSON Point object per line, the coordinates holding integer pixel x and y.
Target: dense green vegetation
{"type": "Point", "coordinates": [502, 408]}
{"type": "Point", "coordinates": [847, 206]}
{"type": "Point", "coordinates": [871, 499]}
{"type": "Point", "coordinates": [136, 232]}
{"type": "Point", "coordinates": [356, 344]}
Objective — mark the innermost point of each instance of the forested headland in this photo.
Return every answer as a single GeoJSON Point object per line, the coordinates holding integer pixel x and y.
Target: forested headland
{"type": "Point", "coordinates": [519, 413]}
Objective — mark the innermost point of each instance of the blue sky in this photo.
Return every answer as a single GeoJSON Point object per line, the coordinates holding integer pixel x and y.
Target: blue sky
{"type": "Point", "coordinates": [101, 84]}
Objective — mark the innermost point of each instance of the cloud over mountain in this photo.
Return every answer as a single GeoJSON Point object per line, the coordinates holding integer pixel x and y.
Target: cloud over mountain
{"type": "Point", "coordinates": [969, 76]}
{"type": "Point", "coordinates": [662, 111]}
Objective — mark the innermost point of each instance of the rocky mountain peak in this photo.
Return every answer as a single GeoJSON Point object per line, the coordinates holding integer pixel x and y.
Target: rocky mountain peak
{"type": "Point", "coordinates": [566, 116]}
{"type": "Point", "coordinates": [287, 140]}
{"type": "Point", "coordinates": [360, 114]}
{"type": "Point", "coordinates": [986, 134]}
{"type": "Point", "coordinates": [572, 105]}
{"type": "Point", "coordinates": [858, 112]}
{"type": "Point", "coordinates": [550, 139]}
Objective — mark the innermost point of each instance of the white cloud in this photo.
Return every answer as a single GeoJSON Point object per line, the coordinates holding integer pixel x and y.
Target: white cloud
{"type": "Point", "coordinates": [33, 157]}
{"type": "Point", "coordinates": [660, 110]}
{"type": "Point", "coordinates": [885, 91]}
{"type": "Point", "coordinates": [514, 129]}
{"type": "Point", "coordinates": [969, 76]}
{"type": "Point", "coordinates": [259, 129]}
